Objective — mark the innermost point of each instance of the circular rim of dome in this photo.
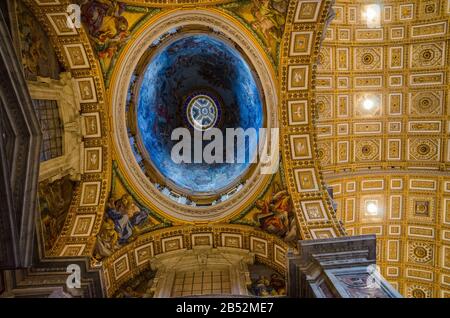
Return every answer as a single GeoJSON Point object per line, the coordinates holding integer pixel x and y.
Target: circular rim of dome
{"type": "Point", "coordinates": [201, 198]}
{"type": "Point", "coordinates": [152, 32]}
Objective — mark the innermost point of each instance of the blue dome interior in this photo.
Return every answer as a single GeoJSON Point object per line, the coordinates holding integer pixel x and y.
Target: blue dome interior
{"type": "Point", "coordinates": [191, 65]}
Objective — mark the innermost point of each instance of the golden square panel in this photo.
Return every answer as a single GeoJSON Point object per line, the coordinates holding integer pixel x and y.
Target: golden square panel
{"type": "Point", "coordinates": [343, 82]}
{"type": "Point", "coordinates": [367, 128]}
{"type": "Point", "coordinates": [144, 253]}
{"type": "Point", "coordinates": [446, 212]}
{"type": "Point", "coordinates": [394, 149]}
{"type": "Point", "coordinates": [394, 229]}
{"type": "Point", "coordinates": [172, 244]}
{"type": "Point", "coordinates": [298, 112]}
{"type": "Point", "coordinates": [395, 104]}
{"type": "Point", "coordinates": [325, 152]}
{"type": "Point", "coordinates": [373, 230]}
{"type": "Point", "coordinates": [366, 150]}
{"type": "Point", "coordinates": [369, 35]}
{"type": "Point", "coordinates": [428, 30]}
{"type": "Point", "coordinates": [372, 184]}
{"type": "Point", "coordinates": [426, 79]}
{"type": "Point", "coordinates": [395, 80]}
{"type": "Point", "coordinates": [420, 252]}
{"type": "Point", "coordinates": [307, 11]}
{"type": "Point", "coordinates": [340, 15]}
{"type": "Point", "coordinates": [422, 184]}
{"type": "Point", "coordinates": [393, 250]}
{"type": "Point", "coordinates": [421, 231]}
{"type": "Point", "coordinates": [350, 186]}
{"type": "Point", "coordinates": [350, 210]}
{"type": "Point", "coordinates": [300, 147]}
{"type": "Point", "coordinates": [352, 15]}
{"type": "Point", "coordinates": [298, 78]}
{"type": "Point", "coordinates": [406, 11]}
{"type": "Point", "coordinates": [344, 34]}
{"type": "Point", "coordinates": [301, 43]}
{"type": "Point", "coordinates": [387, 13]}
{"type": "Point", "coordinates": [420, 274]}
{"type": "Point", "coordinates": [60, 25]}
{"type": "Point", "coordinates": [424, 149]}
{"type": "Point", "coordinates": [47, 2]}
{"type": "Point", "coordinates": [395, 127]}
{"type": "Point", "coordinates": [93, 160]}
{"type": "Point", "coordinates": [342, 129]}
{"type": "Point", "coordinates": [324, 130]}
{"type": "Point", "coordinates": [343, 151]}
{"type": "Point", "coordinates": [392, 271]}
{"type": "Point", "coordinates": [368, 58]}
{"type": "Point", "coordinates": [395, 207]}
{"type": "Point", "coordinates": [83, 225]}
{"type": "Point", "coordinates": [424, 126]}
{"type": "Point", "coordinates": [396, 57]}
{"type": "Point", "coordinates": [342, 59]}
{"type": "Point", "coordinates": [446, 257]}
{"type": "Point", "coordinates": [121, 266]}
{"type": "Point", "coordinates": [342, 106]}
{"type": "Point", "coordinates": [76, 56]}
{"type": "Point", "coordinates": [421, 208]}
{"type": "Point", "coordinates": [323, 233]}
{"type": "Point", "coordinates": [306, 180]}
{"type": "Point", "coordinates": [368, 81]}
{"type": "Point", "coordinates": [90, 194]}
{"type": "Point", "coordinates": [324, 82]}
{"type": "Point", "coordinates": [73, 250]}
{"type": "Point", "coordinates": [202, 239]}
{"type": "Point", "coordinates": [427, 55]}
{"type": "Point", "coordinates": [314, 211]}
{"type": "Point", "coordinates": [279, 255]}
{"type": "Point", "coordinates": [397, 33]}
{"type": "Point", "coordinates": [86, 90]}
{"type": "Point", "coordinates": [259, 246]}
{"type": "Point", "coordinates": [396, 184]}
{"type": "Point", "coordinates": [231, 240]}
{"type": "Point", "coordinates": [91, 125]}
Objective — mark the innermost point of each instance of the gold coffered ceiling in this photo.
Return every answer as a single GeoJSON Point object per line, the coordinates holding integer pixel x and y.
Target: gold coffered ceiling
{"type": "Point", "coordinates": [383, 123]}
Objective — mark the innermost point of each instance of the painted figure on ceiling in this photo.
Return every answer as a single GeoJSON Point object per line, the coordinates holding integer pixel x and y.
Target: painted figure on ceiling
{"type": "Point", "coordinates": [125, 214]}
{"type": "Point", "coordinates": [275, 216]}
{"type": "Point", "coordinates": [266, 282]}
{"type": "Point", "coordinates": [107, 28]}
{"type": "Point", "coordinates": [270, 18]}
{"type": "Point", "coordinates": [54, 203]}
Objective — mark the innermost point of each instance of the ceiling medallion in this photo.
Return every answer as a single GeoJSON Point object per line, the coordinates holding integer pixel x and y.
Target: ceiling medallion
{"type": "Point", "coordinates": [202, 111]}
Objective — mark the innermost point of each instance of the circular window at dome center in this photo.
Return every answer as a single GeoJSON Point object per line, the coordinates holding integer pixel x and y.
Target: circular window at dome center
{"type": "Point", "coordinates": [202, 111]}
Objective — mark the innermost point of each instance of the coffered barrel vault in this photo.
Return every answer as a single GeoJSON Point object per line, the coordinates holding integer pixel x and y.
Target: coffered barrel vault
{"type": "Point", "coordinates": [382, 100]}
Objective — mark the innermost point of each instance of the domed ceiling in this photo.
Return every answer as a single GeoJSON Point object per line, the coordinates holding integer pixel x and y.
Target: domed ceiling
{"type": "Point", "coordinates": [198, 82]}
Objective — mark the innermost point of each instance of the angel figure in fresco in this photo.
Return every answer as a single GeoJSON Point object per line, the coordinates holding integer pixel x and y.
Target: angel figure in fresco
{"type": "Point", "coordinates": [270, 19]}
{"type": "Point", "coordinates": [275, 216]}
{"type": "Point", "coordinates": [107, 28]}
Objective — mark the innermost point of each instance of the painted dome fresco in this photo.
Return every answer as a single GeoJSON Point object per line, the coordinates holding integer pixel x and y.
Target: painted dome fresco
{"type": "Point", "coordinates": [198, 82]}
